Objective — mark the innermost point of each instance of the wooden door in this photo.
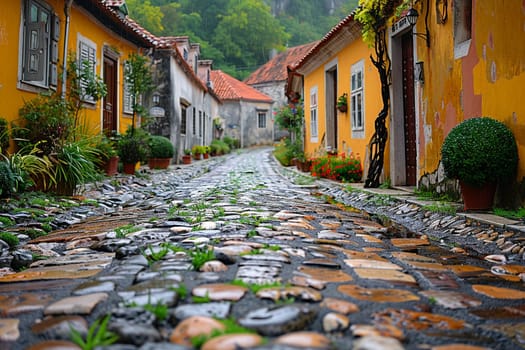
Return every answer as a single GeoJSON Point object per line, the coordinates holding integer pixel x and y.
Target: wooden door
{"type": "Point", "coordinates": [409, 110]}
{"type": "Point", "coordinates": [331, 112]}
{"type": "Point", "coordinates": [109, 103]}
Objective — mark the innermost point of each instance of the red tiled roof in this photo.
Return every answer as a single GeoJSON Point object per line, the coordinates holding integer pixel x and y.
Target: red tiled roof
{"type": "Point", "coordinates": [275, 69]}
{"type": "Point", "coordinates": [229, 88]}
{"type": "Point", "coordinates": [107, 12]}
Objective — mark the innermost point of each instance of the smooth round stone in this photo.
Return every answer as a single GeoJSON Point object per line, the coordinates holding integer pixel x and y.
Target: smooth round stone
{"type": "Point", "coordinates": [213, 266]}
{"type": "Point", "coordinates": [220, 292]}
{"type": "Point", "coordinates": [217, 310]}
{"type": "Point", "coordinates": [334, 322]}
{"type": "Point", "coordinates": [94, 287]}
{"type": "Point", "coordinates": [163, 346]}
{"type": "Point", "coordinates": [304, 340]}
{"type": "Point", "coordinates": [458, 347]}
{"type": "Point", "coordinates": [193, 327]}
{"type": "Point", "coordinates": [233, 342]}
{"type": "Point", "coordinates": [339, 305]}
{"type": "Point", "coordinates": [60, 327]}
{"type": "Point", "coordinates": [283, 293]}
{"type": "Point", "coordinates": [21, 258]}
{"type": "Point", "coordinates": [132, 333]}
{"type": "Point", "coordinates": [132, 315]}
{"type": "Point", "coordinates": [54, 345]}
{"type": "Point", "coordinates": [125, 251]}
{"type": "Point", "coordinates": [111, 245]}
{"type": "Point", "coordinates": [377, 343]}
{"type": "Point", "coordinates": [277, 320]}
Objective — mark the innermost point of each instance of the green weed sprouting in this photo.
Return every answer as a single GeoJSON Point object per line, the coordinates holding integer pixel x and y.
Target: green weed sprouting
{"type": "Point", "coordinates": [97, 335]}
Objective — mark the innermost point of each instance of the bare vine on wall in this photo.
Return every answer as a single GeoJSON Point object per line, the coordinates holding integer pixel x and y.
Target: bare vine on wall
{"type": "Point", "coordinates": [373, 15]}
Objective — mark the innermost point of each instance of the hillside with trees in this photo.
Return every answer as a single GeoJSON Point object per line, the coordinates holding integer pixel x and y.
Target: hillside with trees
{"type": "Point", "coordinates": [239, 35]}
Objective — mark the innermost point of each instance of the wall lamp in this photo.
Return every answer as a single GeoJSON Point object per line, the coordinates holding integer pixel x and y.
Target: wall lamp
{"type": "Point", "coordinates": [412, 16]}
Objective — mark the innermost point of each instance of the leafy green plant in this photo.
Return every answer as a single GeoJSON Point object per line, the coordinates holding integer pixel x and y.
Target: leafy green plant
{"type": "Point", "coordinates": [181, 290]}
{"type": "Point", "coordinates": [7, 180]}
{"type": "Point", "coordinates": [256, 287]}
{"type": "Point", "coordinates": [347, 169]}
{"type": "Point", "coordinates": [97, 335]}
{"type": "Point", "coordinates": [6, 222]}
{"type": "Point", "coordinates": [11, 239]}
{"type": "Point", "coordinates": [160, 147]}
{"type": "Point", "coordinates": [133, 146]}
{"type": "Point", "coordinates": [123, 231]}
{"type": "Point", "coordinates": [139, 79]}
{"type": "Point", "coordinates": [442, 208]}
{"type": "Point", "coordinates": [153, 255]}
{"type": "Point", "coordinates": [200, 256]}
{"type": "Point", "coordinates": [201, 300]}
{"type": "Point", "coordinates": [518, 214]}
{"type": "Point", "coordinates": [160, 310]}
{"type": "Point", "coordinates": [479, 151]}
{"type": "Point", "coordinates": [342, 101]}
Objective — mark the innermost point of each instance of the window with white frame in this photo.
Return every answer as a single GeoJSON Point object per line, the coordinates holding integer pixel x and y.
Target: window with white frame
{"type": "Point", "coordinates": [462, 27]}
{"type": "Point", "coordinates": [41, 32]}
{"type": "Point", "coordinates": [87, 57]}
{"type": "Point", "coordinates": [127, 96]}
{"type": "Point", "coordinates": [313, 114]}
{"type": "Point", "coordinates": [356, 96]}
{"type": "Point", "coordinates": [261, 116]}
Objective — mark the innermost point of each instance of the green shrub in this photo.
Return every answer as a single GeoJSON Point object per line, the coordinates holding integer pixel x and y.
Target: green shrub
{"type": "Point", "coordinates": [4, 135]}
{"type": "Point", "coordinates": [479, 151]}
{"type": "Point", "coordinates": [7, 180]}
{"type": "Point", "coordinates": [9, 238]}
{"type": "Point", "coordinates": [160, 147]}
{"type": "Point", "coordinates": [231, 142]}
{"type": "Point", "coordinates": [347, 169]}
{"type": "Point", "coordinates": [133, 147]}
{"type": "Point", "coordinates": [219, 147]}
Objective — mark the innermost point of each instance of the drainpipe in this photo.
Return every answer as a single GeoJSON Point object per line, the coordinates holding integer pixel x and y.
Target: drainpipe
{"type": "Point", "coordinates": [67, 9]}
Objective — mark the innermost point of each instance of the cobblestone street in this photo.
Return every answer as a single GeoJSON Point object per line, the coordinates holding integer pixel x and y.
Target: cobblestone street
{"type": "Point", "coordinates": [262, 257]}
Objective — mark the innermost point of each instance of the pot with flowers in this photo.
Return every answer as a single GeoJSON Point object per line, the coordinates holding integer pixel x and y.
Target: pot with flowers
{"type": "Point", "coordinates": [186, 158]}
{"type": "Point", "coordinates": [108, 156]}
{"type": "Point", "coordinates": [479, 152]}
{"type": "Point", "coordinates": [342, 103]}
{"type": "Point", "coordinates": [133, 148]}
{"type": "Point", "coordinates": [161, 152]}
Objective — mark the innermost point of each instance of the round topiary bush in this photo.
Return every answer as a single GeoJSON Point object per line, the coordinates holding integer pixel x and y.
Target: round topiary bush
{"type": "Point", "coordinates": [160, 147]}
{"type": "Point", "coordinates": [480, 151]}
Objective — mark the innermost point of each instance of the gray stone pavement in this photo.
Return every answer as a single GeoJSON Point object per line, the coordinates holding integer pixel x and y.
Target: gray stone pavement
{"type": "Point", "coordinates": [238, 252]}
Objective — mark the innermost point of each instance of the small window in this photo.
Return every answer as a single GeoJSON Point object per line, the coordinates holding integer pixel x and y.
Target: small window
{"type": "Point", "coordinates": [200, 123]}
{"type": "Point", "coordinates": [313, 114]}
{"type": "Point", "coordinates": [356, 97]}
{"type": "Point", "coordinates": [462, 27]}
{"type": "Point", "coordinates": [261, 116]}
{"type": "Point", "coordinates": [183, 119]}
{"type": "Point", "coordinates": [40, 44]}
{"type": "Point", "coordinates": [194, 122]}
{"type": "Point", "coordinates": [87, 57]}
{"type": "Point", "coordinates": [127, 99]}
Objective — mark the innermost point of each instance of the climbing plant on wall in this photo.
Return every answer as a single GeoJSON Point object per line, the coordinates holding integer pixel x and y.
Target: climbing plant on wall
{"type": "Point", "coordinates": [374, 16]}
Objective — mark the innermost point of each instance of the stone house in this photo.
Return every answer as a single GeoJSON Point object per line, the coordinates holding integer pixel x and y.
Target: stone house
{"type": "Point", "coordinates": [246, 111]}
{"type": "Point", "coordinates": [271, 77]}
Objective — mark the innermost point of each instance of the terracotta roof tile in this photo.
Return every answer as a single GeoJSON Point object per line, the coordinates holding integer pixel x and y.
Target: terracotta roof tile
{"type": "Point", "coordinates": [229, 88]}
{"type": "Point", "coordinates": [276, 68]}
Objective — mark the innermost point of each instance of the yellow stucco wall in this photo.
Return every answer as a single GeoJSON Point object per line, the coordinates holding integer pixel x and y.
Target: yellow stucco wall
{"type": "Point", "coordinates": [348, 56]}
{"type": "Point", "coordinates": [488, 81]}
{"type": "Point", "coordinates": [12, 97]}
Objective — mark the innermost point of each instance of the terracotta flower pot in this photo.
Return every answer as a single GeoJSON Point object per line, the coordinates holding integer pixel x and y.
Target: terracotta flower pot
{"type": "Point", "coordinates": [186, 159]}
{"type": "Point", "coordinates": [111, 166]}
{"type": "Point", "coordinates": [159, 163]}
{"type": "Point", "coordinates": [129, 168]}
{"type": "Point", "coordinates": [477, 198]}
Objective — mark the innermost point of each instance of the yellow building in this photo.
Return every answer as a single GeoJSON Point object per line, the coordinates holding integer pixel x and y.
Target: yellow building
{"type": "Point", "coordinates": [36, 37]}
{"type": "Point", "coordinates": [338, 65]}
{"type": "Point", "coordinates": [465, 58]}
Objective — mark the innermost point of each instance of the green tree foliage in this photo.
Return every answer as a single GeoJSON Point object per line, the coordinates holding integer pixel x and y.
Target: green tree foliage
{"type": "Point", "coordinates": [235, 34]}
{"type": "Point", "coordinates": [238, 35]}
{"type": "Point", "coordinates": [148, 15]}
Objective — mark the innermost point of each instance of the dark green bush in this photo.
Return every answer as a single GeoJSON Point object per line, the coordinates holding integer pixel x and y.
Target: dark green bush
{"type": "Point", "coordinates": [479, 151]}
{"type": "Point", "coordinates": [7, 180]}
{"type": "Point", "coordinates": [160, 147]}
{"type": "Point", "coordinates": [134, 146]}
{"type": "Point", "coordinates": [219, 147]}
{"type": "Point", "coordinates": [9, 238]}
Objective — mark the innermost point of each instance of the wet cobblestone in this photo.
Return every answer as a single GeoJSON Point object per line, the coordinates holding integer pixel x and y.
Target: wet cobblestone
{"type": "Point", "coordinates": [236, 248]}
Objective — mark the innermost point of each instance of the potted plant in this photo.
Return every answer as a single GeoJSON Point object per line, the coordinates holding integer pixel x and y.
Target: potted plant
{"type": "Point", "coordinates": [186, 158]}
{"type": "Point", "coordinates": [196, 150]}
{"type": "Point", "coordinates": [108, 156]}
{"type": "Point", "coordinates": [342, 103]}
{"type": "Point", "coordinates": [133, 148]}
{"type": "Point", "coordinates": [479, 152]}
{"type": "Point", "coordinates": [206, 152]}
{"type": "Point", "coordinates": [161, 152]}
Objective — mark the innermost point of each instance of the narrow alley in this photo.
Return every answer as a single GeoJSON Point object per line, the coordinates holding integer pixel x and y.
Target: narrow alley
{"type": "Point", "coordinates": [237, 252]}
